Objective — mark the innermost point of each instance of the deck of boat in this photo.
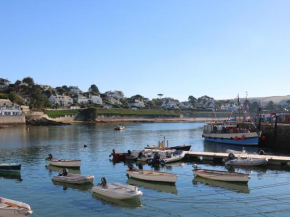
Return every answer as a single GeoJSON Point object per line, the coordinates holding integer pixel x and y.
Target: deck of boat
{"type": "Point", "coordinates": [272, 160]}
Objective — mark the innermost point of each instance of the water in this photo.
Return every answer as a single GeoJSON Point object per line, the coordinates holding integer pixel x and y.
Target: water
{"type": "Point", "coordinates": [267, 193]}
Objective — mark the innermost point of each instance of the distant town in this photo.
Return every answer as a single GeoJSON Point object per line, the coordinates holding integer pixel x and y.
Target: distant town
{"type": "Point", "coordinates": [24, 95]}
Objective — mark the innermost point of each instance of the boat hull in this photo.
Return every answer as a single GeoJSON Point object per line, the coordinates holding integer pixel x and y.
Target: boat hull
{"type": "Point", "coordinates": [74, 179]}
{"type": "Point", "coordinates": [241, 139]}
{"type": "Point", "coordinates": [10, 167]}
{"type": "Point", "coordinates": [181, 147]}
{"type": "Point", "coordinates": [118, 191]}
{"type": "Point", "coordinates": [222, 176]}
{"type": "Point", "coordinates": [247, 162]}
{"type": "Point", "coordinates": [13, 208]}
{"type": "Point", "coordinates": [155, 177]}
{"type": "Point", "coordinates": [64, 163]}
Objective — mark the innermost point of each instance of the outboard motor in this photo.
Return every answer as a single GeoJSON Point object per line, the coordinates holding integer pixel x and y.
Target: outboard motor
{"type": "Point", "coordinates": [140, 155]}
{"type": "Point", "coordinates": [104, 182]}
{"type": "Point", "coordinates": [140, 166]}
{"type": "Point", "coordinates": [129, 152]}
{"type": "Point", "coordinates": [49, 157]}
{"type": "Point", "coordinates": [64, 172]}
{"type": "Point", "coordinates": [113, 152]}
{"type": "Point", "coordinates": [231, 156]}
{"type": "Point", "coordinates": [131, 167]}
{"type": "Point", "coordinates": [261, 152]}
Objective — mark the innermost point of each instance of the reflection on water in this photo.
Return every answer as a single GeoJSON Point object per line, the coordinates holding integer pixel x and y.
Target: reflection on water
{"type": "Point", "coordinates": [161, 187]}
{"type": "Point", "coordinates": [82, 187]}
{"type": "Point", "coordinates": [239, 187]}
{"type": "Point", "coordinates": [11, 175]}
{"type": "Point", "coordinates": [129, 203]}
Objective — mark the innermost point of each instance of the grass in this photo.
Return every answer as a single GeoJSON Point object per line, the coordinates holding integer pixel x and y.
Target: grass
{"type": "Point", "coordinates": [113, 112]}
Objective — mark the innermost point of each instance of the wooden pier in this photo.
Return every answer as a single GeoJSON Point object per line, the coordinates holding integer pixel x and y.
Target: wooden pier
{"type": "Point", "coordinates": [272, 160]}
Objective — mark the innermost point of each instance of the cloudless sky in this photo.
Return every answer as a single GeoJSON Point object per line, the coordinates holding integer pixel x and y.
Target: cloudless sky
{"type": "Point", "coordinates": [177, 48]}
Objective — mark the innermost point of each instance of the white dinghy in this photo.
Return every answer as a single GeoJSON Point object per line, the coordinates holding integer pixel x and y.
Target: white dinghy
{"type": "Point", "coordinates": [246, 162]}
{"type": "Point", "coordinates": [62, 162]}
{"type": "Point", "coordinates": [13, 208]}
{"type": "Point", "coordinates": [117, 190]}
{"type": "Point", "coordinates": [149, 175]}
{"type": "Point", "coordinates": [222, 175]}
{"type": "Point", "coordinates": [73, 178]}
{"type": "Point", "coordinates": [175, 156]}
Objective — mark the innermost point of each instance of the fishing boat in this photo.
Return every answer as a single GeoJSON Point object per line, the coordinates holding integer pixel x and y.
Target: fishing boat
{"type": "Point", "coordinates": [13, 208]}
{"type": "Point", "coordinates": [222, 175]}
{"type": "Point", "coordinates": [229, 133]}
{"type": "Point", "coordinates": [117, 190]}
{"type": "Point", "coordinates": [246, 162]}
{"type": "Point", "coordinates": [62, 162]}
{"type": "Point", "coordinates": [175, 156]}
{"type": "Point", "coordinates": [10, 167]}
{"type": "Point", "coordinates": [161, 146]}
{"type": "Point", "coordinates": [119, 127]}
{"type": "Point", "coordinates": [73, 178]}
{"type": "Point", "coordinates": [154, 176]}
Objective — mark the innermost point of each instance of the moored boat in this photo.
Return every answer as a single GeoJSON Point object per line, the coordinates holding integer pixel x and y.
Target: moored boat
{"type": "Point", "coordinates": [149, 175]}
{"type": "Point", "coordinates": [222, 175]}
{"type": "Point", "coordinates": [73, 178]}
{"type": "Point", "coordinates": [175, 156]}
{"type": "Point", "coordinates": [229, 133]}
{"type": "Point", "coordinates": [10, 207]}
{"type": "Point", "coordinates": [10, 167]}
{"type": "Point", "coordinates": [119, 127]}
{"type": "Point", "coordinates": [118, 156]}
{"type": "Point", "coordinates": [117, 190]}
{"type": "Point", "coordinates": [246, 162]}
{"type": "Point", "coordinates": [62, 162]}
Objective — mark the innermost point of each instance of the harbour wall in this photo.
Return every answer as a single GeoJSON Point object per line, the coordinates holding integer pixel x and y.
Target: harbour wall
{"type": "Point", "coordinates": [10, 120]}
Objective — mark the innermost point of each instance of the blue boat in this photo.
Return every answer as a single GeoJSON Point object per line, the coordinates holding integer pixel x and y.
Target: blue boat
{"type": "Point", "coordinates": [228, 133]}
{"type": "Point", "coordinates": [10, 167]}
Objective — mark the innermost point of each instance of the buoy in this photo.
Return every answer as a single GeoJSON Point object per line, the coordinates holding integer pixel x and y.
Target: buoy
{"type": "Point", "coordinates": [243, 137]}
{"type": "Point", "coordinates": [236, 138]}
{"type": "Point", "coordinates": [263, 137]}
{"type": "Point", "coordinates": [85, 146]}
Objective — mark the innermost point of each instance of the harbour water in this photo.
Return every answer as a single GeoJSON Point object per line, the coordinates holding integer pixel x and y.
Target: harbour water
{"type": "Point", "coordinates": [266, 194]}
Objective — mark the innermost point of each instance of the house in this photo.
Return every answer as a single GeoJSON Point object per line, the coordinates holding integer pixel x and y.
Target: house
{"type": "Point", "coordinates": [137, 103]}
{"type": "Point", "coordinates": [60, 100]}
{"type": "Point", "coordinates": [115, 94]}
{"type": "Point", "coordinates": [114, 101]}
{"type": "Point", "coordinates": [80, 98]}
{"type": "Point", "coordinates": [170, 103]}
{"type": "Point", "coordinates": [75, 89]}
{"type": "Point", "coordinates": [7, 109]}
{"type": "Point", "coordinates": [4, 83]}
{"type": "Point", "coordinates": [146, 100]}
{"type": "Point", "coordinates": [95, 99]}
{"type": "Point", "coordinates": [185, 105]}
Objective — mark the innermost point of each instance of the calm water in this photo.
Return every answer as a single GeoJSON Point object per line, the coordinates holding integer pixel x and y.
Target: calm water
{"type": "Point", "coordinates": [267, 193]}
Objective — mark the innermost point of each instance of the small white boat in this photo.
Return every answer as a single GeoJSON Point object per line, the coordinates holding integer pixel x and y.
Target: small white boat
{"type": "Point", "coordinates": [222, 175]}
{"type": "Point", "coordinates": [117, 190]}
{"type": "Point", "coordinates": [13, 208]}
{"type": "Point", "coordinates": [119, 127]}
{"type": "Point", "coordinates": [155, 176]}
{"type": "Point", "coordinates": [246, 162]}
{"type": "Point", "coordinates": [175, 156]}
{"type": "Point", "coordinates": [74, 178]}
{"type": "Point", "coordinates": [62, 162]}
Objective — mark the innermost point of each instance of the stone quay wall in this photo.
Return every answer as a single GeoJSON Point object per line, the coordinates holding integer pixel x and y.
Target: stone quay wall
{"type": "Point", "coordinates": [7, 120]}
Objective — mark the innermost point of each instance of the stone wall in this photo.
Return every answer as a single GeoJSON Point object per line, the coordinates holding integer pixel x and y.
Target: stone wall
{"type": "Point", "coordinates": [4, 120]}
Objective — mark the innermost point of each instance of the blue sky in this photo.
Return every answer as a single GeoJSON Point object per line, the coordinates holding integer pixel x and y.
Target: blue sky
{"type": "Point", "coordinates": [177, 48]}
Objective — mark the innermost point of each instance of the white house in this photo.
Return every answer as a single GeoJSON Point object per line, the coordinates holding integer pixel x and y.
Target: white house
{"type": "Point", "coordinates": [185, 105]}
{"type": "Point", "coordinates": [114, 94]}
{"type": "Point", "coordinates": [114, 101]}
{"type": "Point", "coordinates": [137, 103]}
{"type": "Point", "coordinates": [170, 103]}
{"type": "Point", "coordinates": [7, 109]}
{"type": "Point", "coordinates": [95, 99]}
{"type": "Point", "coordinates": [60, 99]}
{"type": "Point", "coordinates": [80, 98]}
{"type": "Point", "coordinates": [4, 83]}
{"type": "Point", "coordinates": [75, 89]}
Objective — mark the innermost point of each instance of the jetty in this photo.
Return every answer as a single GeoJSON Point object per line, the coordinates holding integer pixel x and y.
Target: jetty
{"type": "Point", "coordinates": [214, 156]}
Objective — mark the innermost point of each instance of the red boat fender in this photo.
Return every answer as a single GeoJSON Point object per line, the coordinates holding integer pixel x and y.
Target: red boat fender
{"type": "Point", "coordinates": [236, 138]}
{"type": "Point", "coordinates": [243, 137]}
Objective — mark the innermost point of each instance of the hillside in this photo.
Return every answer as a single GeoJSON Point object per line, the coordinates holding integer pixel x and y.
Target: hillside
{"type": "Point", "coordinates": [276, 99]}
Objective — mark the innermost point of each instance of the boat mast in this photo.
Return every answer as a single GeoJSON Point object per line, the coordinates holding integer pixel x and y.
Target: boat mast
{"type": "Point", "coordinates": [239, 112]}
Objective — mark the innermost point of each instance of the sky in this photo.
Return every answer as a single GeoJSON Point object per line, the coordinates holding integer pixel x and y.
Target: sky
{"type": "Point", "coordinates": [176, 48]}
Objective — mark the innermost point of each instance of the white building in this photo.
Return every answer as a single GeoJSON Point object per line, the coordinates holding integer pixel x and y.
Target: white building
{"type": "Point", "coordinates": [170, 103]}
{"type": "Point", "coordinates": [4, 83]}
{"type": "Point", "coordinates": [185, 105]}
{"type": "Point", "coordinates": [75, 89]}
{"type": "Point", "coordinates": [60, 100]}
{"type": "Point", "coordinates": [95, 99]}
{"type": "Point", "coordinates": [9, 109]}
{"type": "Point", "coordinates": [114, 94]}
{"type": "Point", "coordinates": [80, 98]}
{"type": "Point", "coordinates": [114, 101]}
{"type": "Point", "coordinates": [137, 103]}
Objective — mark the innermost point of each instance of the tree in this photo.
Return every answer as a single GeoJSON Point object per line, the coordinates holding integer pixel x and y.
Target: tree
{"type": "Point", "coordinates": [13, 97]}
{"type": "Point", "coordinates": [28, 80]}
{"type": "Point", "coordinates": [192, 99]}
{"type": "Point", "coordinates": [94, 88]}
{"type": "Point", "coordinates": [254, 106]}
{"type": "Point", "coordinates": [3, 96]}
{"type": "Point", "coordinates": [160, 95]}
{"type": "Point", "coordinates": [270, 106]}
